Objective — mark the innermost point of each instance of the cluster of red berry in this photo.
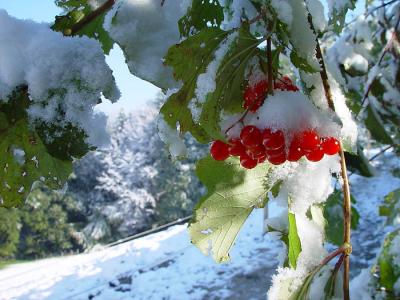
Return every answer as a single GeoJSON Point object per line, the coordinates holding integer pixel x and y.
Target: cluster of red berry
{"type": "Point", "coordinates": [254, 96]}
{"type": "Point", "coordinates": [255, 146]}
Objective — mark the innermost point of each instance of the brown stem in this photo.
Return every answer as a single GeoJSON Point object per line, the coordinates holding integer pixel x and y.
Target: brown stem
{"type": "Point", "coordinates": [332, 255]}
{"type": "Point", "coordinates": [269, 66]}
{"type": "Point", "coordinates": [346, 186]}
{"type": "Point", "coordinates": [90, 17]}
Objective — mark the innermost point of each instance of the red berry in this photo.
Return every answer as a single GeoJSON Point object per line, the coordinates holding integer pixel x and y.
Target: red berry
{"type": "Point", "coordinates": [330, 146]}
{"type": "Point", "coordinates": [250, 136]}
{"type": "Point", "coordinates": [273, 140]}
{"type": "Point", "coordinates": [275, 152]}
{"type": "Point", "coordinates": [295, 151]}
{"type": "Point", "coordinates": [316, 155]}
{"type": "Point", "coordinates": [236, 147]}
{"type": "Point", "coordinates": [256, 152]}
{"type": "Point", "coordinates": [309, 140]}
{"type": "Point", "coordinates": [277, 159]}
{"type": "Point", "coordinates": [285, 84]}
{"type": "Point", "coordinates": [219, 150]}
{"type": "Point", "coordinates": [261, 159]}
{"type": "Point", "coordinates": [247, 162]}
{"type": "Point", "coordinates": [254, 95]}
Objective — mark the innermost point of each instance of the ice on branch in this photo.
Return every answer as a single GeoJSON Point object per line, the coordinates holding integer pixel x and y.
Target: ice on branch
{"type": "Point", "coordinates": [64, 75]}
{"type": "Point", "coordinates": [145, 30]}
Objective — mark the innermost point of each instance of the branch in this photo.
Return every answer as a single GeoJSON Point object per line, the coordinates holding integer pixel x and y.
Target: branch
{"type": "Point", "coordinates": [346, 186]}
{"type": "Point", "coordinates": [269, 62]}
{"type": "Point", "coordinates": [90, 17]}
{"type": "Point", "coordinates": [384, 51]}
{"type": "Point", "coordinates": [371, 11]}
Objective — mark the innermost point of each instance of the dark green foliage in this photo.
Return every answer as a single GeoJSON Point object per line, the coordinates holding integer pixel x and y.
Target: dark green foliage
{"type": "Point", "coordinates": [9, 232]}
{"type": "Point", "coordinates": [201, 14]}
{"type": "Point", "coordinates": [333, 213]}
{"type": "Point", "coordinates": [24, 157]}
{"type": "Point", "coordinates": [39, 229]}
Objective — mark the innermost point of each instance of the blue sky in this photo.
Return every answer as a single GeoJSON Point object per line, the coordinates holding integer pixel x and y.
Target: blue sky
{"type": "Point", "coordinates": [134, 91]}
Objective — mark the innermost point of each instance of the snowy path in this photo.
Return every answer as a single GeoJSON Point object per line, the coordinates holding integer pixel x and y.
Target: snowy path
{"type": "Point", "coordinates": [166, 266]}
{"type": "Point", "coordinates": [161, 266]}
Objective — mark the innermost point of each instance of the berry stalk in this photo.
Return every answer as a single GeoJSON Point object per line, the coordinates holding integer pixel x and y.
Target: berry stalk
{"type": "Point", "coordinates": [346, 186]}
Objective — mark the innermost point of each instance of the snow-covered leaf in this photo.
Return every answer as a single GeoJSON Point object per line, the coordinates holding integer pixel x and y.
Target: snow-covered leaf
{"type": "Point", "coordinates": [389, 262]}
{"type": "Point", "coordinates": [232, 194]}
{"type": "Point", "coordinates": [391, 207]}
{"type": "Point", "coordinates": [301, 63]}
{"type": "Point", "coordinates": [189, 59]}
{"type": "Point", "coordinates": [202, 14]}
{"type": "Point", "coordinates": [76, 10]}
{"type": "Point", "coordinates": [337, 13]}
{"type": "Point", "coordinates": [228, 93]}
{"type": "Point", "coordinates": [24, 158]}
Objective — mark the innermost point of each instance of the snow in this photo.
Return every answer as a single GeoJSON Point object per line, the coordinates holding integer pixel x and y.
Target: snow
{"type": "Point", "coordinates": [51, 66]}
{"type": "Point", "coordinates": [283, 10]}
{"type": "Point", "coordinates": [234, 10]}
{"type": "Point", "coordinates": [166, 264]}
{"type": "Point", "coordinates": [154, 263]}
{"type": "Point", "coordinates": [291, 112]}
{"type": "Point", "coordinates": [316, 9]}
{"type": "Point", "coordinates": [19, 155]}
{"type": "Point", "coordinates": [301, 35]}
{"type": "Point", "coordinates": [394, 250]}
{"type": "Point", "coordinates": [171, 138]}
{"type": "Point", "coordinates": [349, 130]}
{"type": "Point", "coordinates": [145, 31]}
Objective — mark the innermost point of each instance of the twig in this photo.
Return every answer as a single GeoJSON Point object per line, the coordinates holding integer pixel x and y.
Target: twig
{"type": "Point", "coordinates": [371, 11]}
{"type": "Point", "coordinates": [380, 152]}
{"type": "Point", "coordinates": [269, 63]}
{"type": "Point", "coordinates": [346, 187]}
{"type": "Point", "coordinates": [384, 51]}
{"type": "Point", "coordinates": [90, 17]}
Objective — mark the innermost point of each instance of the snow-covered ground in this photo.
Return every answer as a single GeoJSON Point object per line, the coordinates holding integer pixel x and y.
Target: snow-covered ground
{"type": "Point", "coordinates": [166, 266]}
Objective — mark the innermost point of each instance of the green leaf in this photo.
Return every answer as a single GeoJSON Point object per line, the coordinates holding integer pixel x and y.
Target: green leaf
{"type": "Point", "coordinates": [338, 16]}
{"type": "Point", "coordinates": [189, 59]}
{"type": "Point", "coordinates": [24, 158]}
{"type": "Point", "coordinates": [391, 207]}
{"type": "Point", "coordinates": [201, 15]}
{"type": "Point", "coordinates": [389, 270]}
{"type": "Point", "coordinates": [75, 11]}
{"type": "Point", "coordinates": [376, 127]}
{"type": "Point", "coordinates": [301, 63]}
{"type": "Point", "coordinates": [294, 244]}
{"type": "Point", "coordinates": [333, 213]}
{"type": "Point", "coordinates": [359, 162]}
{"type": "Point", "coordinates": [276, 188]}
{"type": "Point", "coordinates": [232, 194]}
